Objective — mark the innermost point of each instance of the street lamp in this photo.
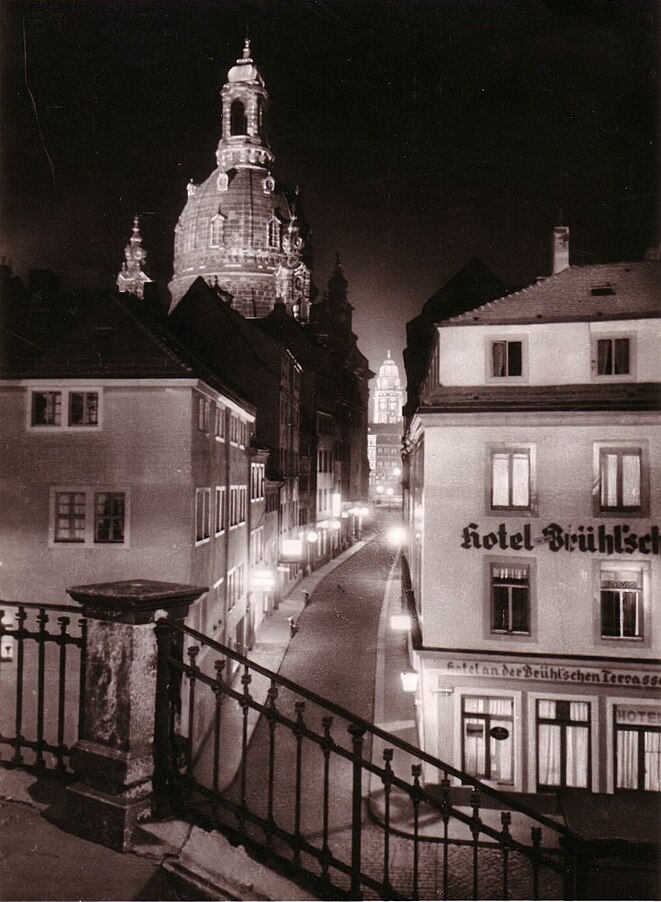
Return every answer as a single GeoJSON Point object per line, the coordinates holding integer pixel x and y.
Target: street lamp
{"type": "Point", "coordinates": [409, 681]}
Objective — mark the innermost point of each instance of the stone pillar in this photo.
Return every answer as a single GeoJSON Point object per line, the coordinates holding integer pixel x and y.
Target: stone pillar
{"type": "Point", "coordinates": [113, 757]}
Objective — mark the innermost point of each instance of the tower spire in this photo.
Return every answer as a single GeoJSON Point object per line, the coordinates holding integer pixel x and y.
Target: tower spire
{"type": "Point", "coordinates": [131, 276]}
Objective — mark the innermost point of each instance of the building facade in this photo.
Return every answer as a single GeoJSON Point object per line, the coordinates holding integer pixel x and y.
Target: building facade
{"type": "Point", "coordinates": [385, 435]}
{"type": "Point", "coordinates": [240, 230]}
{"type": "Point", "coordinates": [534, 467]}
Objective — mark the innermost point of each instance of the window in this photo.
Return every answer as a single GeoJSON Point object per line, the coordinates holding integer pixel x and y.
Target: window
{"type": "Point", "coordinates": [511, 478]}
{"type": "Point", "coordinates": [216, 229]}
{"type": "Point", "coordinates": [220, 423]}
{"type": "Point", "coordinates": [257, 545]}
{"type": "Point", "coordinates": [232, 591]}
{"type": "Point", "coordinates": [637, 762]}
{"type": "Point", "coordinates": [220, 520]}
{"type": "Point", "coordinates": [109, 517]}
{"type": "Point", "coordinates": [238, 499]}
{"type": "Point", "coordinates": [202, 514]}
{"type": "Point", "coordinates": [256, 482]}
{"type": "Point", "coordinates": [82, 516]}
{"type": "Point", "coordinates": [510, 599]}
{"type": "Point", "coordinates": [273, 233]}
{"type": "Point", "coordinates": [487, 755]}
{"type": "Point", "coordinates": [506, 358]}
{"type": "Point", "coordinates": [64, 409]}
{"type": "Point", "coordinates": [238, 121]}
{"type": "Point", "coordinates": [613, 356]}
{"type": "Point", "coordinates": [620, 479]}
{"type": "Point", "coordinates": [621, 600]}
{"type": "Point", "coordinates": [563, 744]}
{"type": "Point", "coordinates": [203, 409]}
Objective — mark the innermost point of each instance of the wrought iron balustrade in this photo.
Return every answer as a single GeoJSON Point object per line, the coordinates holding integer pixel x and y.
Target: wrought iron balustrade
{"type": "Point", "coordinates": [333, 801]}
{"type": "Point", "coordinates": [41, 682]}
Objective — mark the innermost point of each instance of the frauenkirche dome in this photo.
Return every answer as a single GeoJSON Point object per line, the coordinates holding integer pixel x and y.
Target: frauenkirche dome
{"type": "Point", "coordinates": [239, 229]}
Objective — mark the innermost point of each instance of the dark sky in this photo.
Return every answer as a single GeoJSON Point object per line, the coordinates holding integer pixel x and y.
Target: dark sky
{"type": "Point", "coordinates": [422, 133]}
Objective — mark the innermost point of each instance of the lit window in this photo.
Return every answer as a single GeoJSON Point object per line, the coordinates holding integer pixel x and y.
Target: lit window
{"type": "Point", "coordinates": [487, 755]}
{"type": "Point", "coordinates": [238, 120]}
{"type": "Point", "coordinates": [220, 423]}
{"type": "Point", "coordinates": [506, 358]}
{"type": "Point", "coordinates": [637, 753]}
{"type": "Point", "coordinates": [203, 409]}
{"type": "Point", "coordinates": [510, 599]}
{"type": "Point", "coordinates": [563, 745]}
{"type": "Point", "coordinates": [64, 409]}
{"type": "Point", "coordinates": [620, 479]}
{"type": "Point", "coordinates": [613, 357]}
{"type": "Point", "coordinates": [216, 230]}
{"type": "Point", "coordinates": [274, 233]}
{"type": "Point", "coordinates": [511, 479]}
{"type": "Point", "coordinates": [220, 510]}
{"type": "Point", "coordinates": [621, 600]}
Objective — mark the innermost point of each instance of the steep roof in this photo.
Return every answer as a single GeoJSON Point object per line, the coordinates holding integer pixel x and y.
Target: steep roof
{"type": "Point", "coordinates": [608, 291]}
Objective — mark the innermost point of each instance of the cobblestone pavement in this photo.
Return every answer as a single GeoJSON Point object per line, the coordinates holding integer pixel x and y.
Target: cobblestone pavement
{"type": "Point", "coordinates": [334, 655]}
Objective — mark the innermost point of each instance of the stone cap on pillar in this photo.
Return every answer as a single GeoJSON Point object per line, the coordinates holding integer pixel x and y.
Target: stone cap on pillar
{"type": "Point", "coordinates": [135, 600]}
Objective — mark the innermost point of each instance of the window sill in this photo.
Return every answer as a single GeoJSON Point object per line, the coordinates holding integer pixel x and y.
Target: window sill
{"type": "Point", "coordinates": [202, 541]}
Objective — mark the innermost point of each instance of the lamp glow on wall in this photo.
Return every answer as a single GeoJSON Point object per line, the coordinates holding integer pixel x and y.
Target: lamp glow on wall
{"type": "Point", "coordinates": [409, 680]}
{"type": "Point", "coordinates": [400, 622]}
{"type": "Point", "coordinates": [312, 537]}
{"type": "Point", "coordinates": [336, 504]}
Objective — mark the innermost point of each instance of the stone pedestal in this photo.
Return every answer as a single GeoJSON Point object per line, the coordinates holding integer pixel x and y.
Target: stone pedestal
{"type": "Point", "coordinates": [114, 755]}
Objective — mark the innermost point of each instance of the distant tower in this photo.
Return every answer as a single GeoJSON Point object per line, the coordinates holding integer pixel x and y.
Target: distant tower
{"type": "Point", "coordinates": [388, 394]}
{"type": "Point", "coordinates": [131, 277]}
{"type": "Point", "coordinates": [239, 230]}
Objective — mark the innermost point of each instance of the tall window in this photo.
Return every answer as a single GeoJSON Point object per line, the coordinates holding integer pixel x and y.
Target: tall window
{"type": "Point", "coordinates": [274, 233]}
{"type": "Point", "coordinates": [70, 511]}
{"type": "Point", "coordinates": [510, 599]}
{"type": "Point", "coordinates": [83, 408]}
{"type": "Point", "coordinates": [511, 479]}
{"type": "Point", "coordinates": [637, 748]}
{"type": "Point", "coordinates": [220, 518]}
{"type": "Point", "coordinates": [203, 409]}
{"type": "Point", "coordinates": [487, 746]}
{"type": "Point", "coordinates": [216, 229]}
{"type": "Point", "coordinates": [238, 504]}
{"type": "Point", "coordinates": [109, 517]}
{"type": "Point", "coordinates": [563, 744]}
{"type": "Point", "coordinates": [620, 479]}
{"type": "Point", "coordinates": [238, 120]}
{"type": "Point", "coordinates": [202, 514]}
{"type": "Point", "coordinates": [256, 482]}
{"type": "Point", "coordinates": [220, 423]}
{"type": "Point", "coordinates": [506, 358]}
{"type": "Point", "coordinates": [65, 409]}
{"type": "Point", "coordinates": [613, 357]}
{"type": "Point", "coordinates": [621, 599]}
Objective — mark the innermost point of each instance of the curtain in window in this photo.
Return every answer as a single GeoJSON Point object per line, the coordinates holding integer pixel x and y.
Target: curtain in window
{"type": "Point", "coordinates": [520, 480]}
{"type": "Point", "coordinates": [631, 480]}
{"type": "Point", "coordinates": [653, 761]}
{"type": "Point", "coordinates": [499, 358]}
{"type": "Point", "coordinates": [627, 759]}
{"type": "Point", "coordinates": [514, 358]}
{"type": "Point", "coordinates": [500, 480]}
{"type": "Point", "coordinates": [621, 362]}
{"type": "Point", "coordinates": [608, 480]}
{"type": "Point", "coordinates": [577, 741]}
{"type": "Point", "coordinates": [548, 754]}
{"type": "Point", "coordinates": [604, 357]}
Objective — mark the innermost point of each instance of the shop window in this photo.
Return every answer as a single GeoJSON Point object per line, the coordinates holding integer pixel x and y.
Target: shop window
{"type": "Point", "coordinates": [511, 478]}
{"type": "Point", "coordinates": [487, 746]}
{"type": "Point", "coordinates": [613, 356]}
{"type": "Point", "coordinates": [510, 599]}
{"type": "Point", "coordinates": [563, 745]}
{"type": "Point", "coordinates": [620, 479]}
{"type": "Point", "coordinates": [506, 359]}
{"type": "Point", "coordinates": [637, 748]}
{"type": "Point", "coordinates": [621, 600]}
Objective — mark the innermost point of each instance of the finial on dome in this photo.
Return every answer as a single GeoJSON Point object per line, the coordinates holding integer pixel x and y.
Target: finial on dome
{"type": "Point", "coordinates": [338, 261]}
{"type": "Point", "coordinates": [388, 353]}
{"type": "Point", "coordinates": [246, 50]}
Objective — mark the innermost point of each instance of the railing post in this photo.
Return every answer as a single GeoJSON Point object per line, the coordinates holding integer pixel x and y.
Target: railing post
{"type": "Point", "coordinates": [114, 756]}
{"type": "Point", "coordinates": [357, 734]}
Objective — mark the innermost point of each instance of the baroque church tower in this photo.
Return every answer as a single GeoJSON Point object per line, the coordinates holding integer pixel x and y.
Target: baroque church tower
{"type": "Point", "coordinates": [131, 277]}
{"type": "Point", "coordinates": [239, 229]}
{"type": "Point", "coordinates": [388, 394]}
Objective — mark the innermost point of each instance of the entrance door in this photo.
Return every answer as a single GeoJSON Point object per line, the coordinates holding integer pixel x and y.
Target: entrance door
{"type": "Point", "coordinates": [487, 738]}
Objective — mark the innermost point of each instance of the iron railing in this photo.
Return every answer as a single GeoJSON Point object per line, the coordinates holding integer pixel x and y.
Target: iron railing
{"type": "Point", "coordinates": [329, 799]}
{"type": "Point", "coordinates": [42, 686]}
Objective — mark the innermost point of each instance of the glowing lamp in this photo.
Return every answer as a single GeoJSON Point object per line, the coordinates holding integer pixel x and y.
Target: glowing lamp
{"type": "Point", "coordinates": [312, 537]}
{"type": "Point", "coordinates": [409, 681]}
{"type": "Point", "coordinates": [400, 622]}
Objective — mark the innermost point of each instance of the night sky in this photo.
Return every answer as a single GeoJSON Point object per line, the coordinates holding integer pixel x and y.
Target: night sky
{"type": "Point", "coordinates": [422, 134]}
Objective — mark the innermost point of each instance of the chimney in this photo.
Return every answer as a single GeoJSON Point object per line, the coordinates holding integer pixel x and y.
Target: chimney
{"type": "Point", "coordinates": [560, 249]}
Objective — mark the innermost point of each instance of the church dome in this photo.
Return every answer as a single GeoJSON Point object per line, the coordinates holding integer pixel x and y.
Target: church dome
{"type": "Point", "coordinates": [239, 229]}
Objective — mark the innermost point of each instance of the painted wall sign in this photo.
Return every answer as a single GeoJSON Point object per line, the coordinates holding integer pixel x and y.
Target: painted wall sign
{"type": "Point", "coordinates": [603, 539]}
{"type": "Point", "coordinates": [639, 716]}
{"type": "Point", "coordinates": [499, 732]}
{"type": "Point", "coordinates": [554, 673]}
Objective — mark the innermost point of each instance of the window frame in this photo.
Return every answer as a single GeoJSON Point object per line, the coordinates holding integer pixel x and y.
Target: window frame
{"type": "Point", "coordinates": [511, 448]}
{"type": "Point", "coordinates": [601, 447]}
{"type": "Point", "coordinates": [202, 492]}
{"type": "Point", "coordinates": [643, 568]}
{"type": "Point", "coordinates": [489, 632]}
{"type": "Point", "coordinates": [220, 427]}
{"type": "Point", "coordinates": [65, 393]}
{"type": "Point", "coordinates": [640, 730]}
{"type": "Point", "coordinates": [220, 522]}
{"type": "Point", "coordinates": [203, 413]}
{"type": "Point", "coordinates": [564, 725]}
{"type": "Point", "coordinates": [90, 516]}
{"type": "Point", "coordinates": [508, 339]}
{"type": "Point", "coordinates": [595, 338]}
{"type": "Point", "coordinates": [486, 717]}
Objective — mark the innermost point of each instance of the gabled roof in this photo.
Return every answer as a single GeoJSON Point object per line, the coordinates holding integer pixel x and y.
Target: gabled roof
{"type": "Point", "coordinates": [609, 291]}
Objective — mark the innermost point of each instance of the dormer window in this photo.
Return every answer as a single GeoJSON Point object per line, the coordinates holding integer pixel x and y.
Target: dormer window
{"type": "Point", "coordinates": [238, 120]}
{"type": "Point", "coordinates": [216, 230]}
{"type": "Point", "coordinates": [506, 359]}
{"type": "Point", "coordinates": [274, 234]}
{"type": "Point", "coordinates": [613, 357]}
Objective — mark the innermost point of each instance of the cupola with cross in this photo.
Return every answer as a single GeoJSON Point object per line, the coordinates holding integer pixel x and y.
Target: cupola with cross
{"type": "Point", "coordinates": [240, 229]}
{"type": "Point", "coordinates": [131, 277]}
